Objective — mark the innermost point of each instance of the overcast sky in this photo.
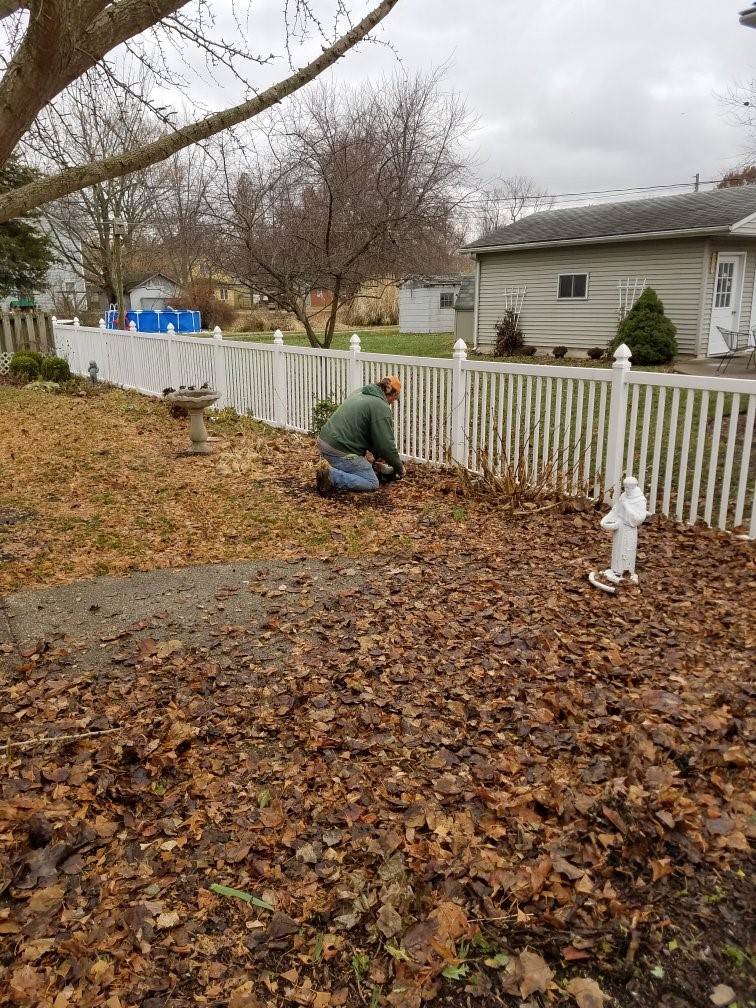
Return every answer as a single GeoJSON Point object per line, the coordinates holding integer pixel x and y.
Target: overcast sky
{"type": "Point", "coordinates": [579, 94]}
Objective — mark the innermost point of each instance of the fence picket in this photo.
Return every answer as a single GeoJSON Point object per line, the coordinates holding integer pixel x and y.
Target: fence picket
{"type": "Point", "coordinates": [567, 437]}
{"type": "Point", "coordinates": [600, 480]}
{"type": "Point", "coordinates": [745, 461]}
{"type": "Point", "coordinates": [527, 446]}
{"type": "Point", "coordinates": [682, 472]}
{"type": "Point", "coordinates": [510, 407]}
{"type": "Point", "coordinates": [536, 426]}
{"type": "Point", "coordinates": [714, 457]}
{"type": "Point", "coordinates": [671, 441]}
{"type": "Point", "coordinates": [557, 427]}
{"type": "Point", "coordinates": [698, 467]}
{"type": "Point", "coordinates": [732, 428]}
{"type": "Point", "coordinates": [546, 425]}
{"type": "Point", "coordinates": [577, 474]}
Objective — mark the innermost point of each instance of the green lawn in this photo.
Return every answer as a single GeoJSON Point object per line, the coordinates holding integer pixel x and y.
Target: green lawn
{"type": "Point", "coordinates": [388, 340]}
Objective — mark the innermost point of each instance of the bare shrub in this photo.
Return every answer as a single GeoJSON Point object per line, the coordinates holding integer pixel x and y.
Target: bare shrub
{"type": "Point", "coordinates": [200, 294]}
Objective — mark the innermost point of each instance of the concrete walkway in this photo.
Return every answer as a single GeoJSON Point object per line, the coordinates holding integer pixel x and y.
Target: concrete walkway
{"type": "Point", "coordinates": [706, 367]}
{"type": "Point", "coordinates": [194, 606]}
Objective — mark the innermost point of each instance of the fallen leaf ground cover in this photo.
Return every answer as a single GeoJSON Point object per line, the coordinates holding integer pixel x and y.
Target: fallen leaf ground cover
{"type": "Point", "coordinates": [433, 765]}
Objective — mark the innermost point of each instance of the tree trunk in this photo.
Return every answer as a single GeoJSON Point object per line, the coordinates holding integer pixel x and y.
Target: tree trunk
{"type": "Point", "coordinates": [331, 323]}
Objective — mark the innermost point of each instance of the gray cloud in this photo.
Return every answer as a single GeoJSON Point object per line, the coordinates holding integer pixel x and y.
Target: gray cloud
{"type": "Point", "coordinates": [580, 94]}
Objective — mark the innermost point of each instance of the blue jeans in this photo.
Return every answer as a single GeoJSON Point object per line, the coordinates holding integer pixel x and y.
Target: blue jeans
{"type": "Point", "coordinates": [349, 472]}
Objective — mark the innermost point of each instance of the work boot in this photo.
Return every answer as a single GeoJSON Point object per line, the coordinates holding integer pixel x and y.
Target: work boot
{"type": "Point", "coordinates": [323, 478]}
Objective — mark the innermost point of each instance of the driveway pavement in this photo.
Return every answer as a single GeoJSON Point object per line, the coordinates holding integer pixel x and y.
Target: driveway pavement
{"type": "Point", "coordinates": [706, 367]}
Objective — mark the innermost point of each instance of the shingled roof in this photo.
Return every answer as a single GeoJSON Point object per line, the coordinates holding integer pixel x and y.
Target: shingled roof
{"type": "Point", "coordinates": [465, 300]}
{"type": "Point", "coordinates": [715, 211]}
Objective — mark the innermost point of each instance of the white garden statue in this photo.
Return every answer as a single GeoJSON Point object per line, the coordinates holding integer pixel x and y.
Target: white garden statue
{"type": "Point", "coordinates": [623, 522]}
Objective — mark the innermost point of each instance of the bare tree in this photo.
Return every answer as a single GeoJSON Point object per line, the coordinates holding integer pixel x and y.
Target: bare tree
{"type": "Point", "coordinates": [508, 201]}
{"type": "Point", "coordinates": [740, 102]}
{"type": "Point", "coordinates": [52, 43]}
{"type": "Point", "coordinates": [94, 119]}
{"type": "Point", "coordinates": [358, 187]}
{"type": "Point", "coordinates": [182, 218]}
{"type": "Point", "coordinates": [738, 177]}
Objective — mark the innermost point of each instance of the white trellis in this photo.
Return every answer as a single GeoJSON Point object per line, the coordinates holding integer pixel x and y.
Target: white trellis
{"type": "Point", "coordinates": [513, 299]}
{"type": "Point", "coordinates": [630, 289]}
{"type": "Point", "coordinates": [5, 359]}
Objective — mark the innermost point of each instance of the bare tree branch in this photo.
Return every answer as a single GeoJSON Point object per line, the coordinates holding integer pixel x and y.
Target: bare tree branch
{"type": "Point", "coordinates": [63, 41]}
{"type": "Point", "coordinates": [22, 200]}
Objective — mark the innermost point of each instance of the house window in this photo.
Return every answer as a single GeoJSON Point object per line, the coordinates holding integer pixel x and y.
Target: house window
{"type": "Point", "coordinates": [447, 299]}
{"type": "Point", "coordinates": [223, 293]}
{"type": "Point", "coordinates": [725, 277]}
{"type": "Point", "coordinates": [573, 285]}
{"type": "Point", "coordinates": [70, 287]}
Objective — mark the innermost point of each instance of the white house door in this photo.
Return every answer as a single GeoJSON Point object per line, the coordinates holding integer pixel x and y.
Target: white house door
{"type": "Point", "coordinates": [728, 282]}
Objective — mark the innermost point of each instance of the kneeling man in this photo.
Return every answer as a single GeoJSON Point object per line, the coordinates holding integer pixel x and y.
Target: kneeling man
{"type": "Point", "coordinates": [362, 426]}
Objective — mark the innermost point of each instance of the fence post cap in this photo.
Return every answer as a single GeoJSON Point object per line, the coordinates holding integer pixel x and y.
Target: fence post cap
{"type": "Point", "coordinates": [354, 342]}
{"type": "Point", "coordinates": [132, 326]}
{"type": "Point", "coordinates": [622, 353]}
{"type": "Point", "coordinates": [278, 338]}
{"type": "Point", "coordinates": [76, 320]}
{"type": "Point", "coordinates": [54, 319]}
{"type": "Point", "coordinates": [101, 323]}
{"type": "Point", "coordinates": [460, 349]}
{"type": "Point", "coordinates": [217, 333]}
{"type": "Point", "coordinates": [170, 327]}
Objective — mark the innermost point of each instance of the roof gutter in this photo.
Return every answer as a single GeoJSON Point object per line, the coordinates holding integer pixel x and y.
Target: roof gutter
{"type": "Point", "coordinates": [722, 229]}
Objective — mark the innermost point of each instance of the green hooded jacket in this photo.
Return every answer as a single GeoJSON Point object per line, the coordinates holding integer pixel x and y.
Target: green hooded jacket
{"type": "Point", "coordinates": [363, 423]}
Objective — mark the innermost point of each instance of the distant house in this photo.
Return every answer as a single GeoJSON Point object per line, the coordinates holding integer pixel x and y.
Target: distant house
{"type": "Point", "coordinates": [142, 291]}
{"type": "Point", "coordinates": [65, 290]}
{"type": "Point", "coordinates": [321, 298]}
{"type": "Point", "coordinates": [149, 291]}
{"type": "Point", "coordinates": [235, 293]}
{"type": "Point", "coordinates": [574, 273]}
{"type": "Point", "coordinates": [427, 306]}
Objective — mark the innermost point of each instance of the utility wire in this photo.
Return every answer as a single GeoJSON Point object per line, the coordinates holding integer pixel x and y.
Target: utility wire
{"type": "Point", "coordinates": [591, 193]}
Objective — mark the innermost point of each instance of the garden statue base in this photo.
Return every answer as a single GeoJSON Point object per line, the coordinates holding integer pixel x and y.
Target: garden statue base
{"type": "Point", "coordinates": [623, 522]}
{"type": "Point", "coordinates": [608, 581]}
{"type": "Point", "coordinates": [195, 402]}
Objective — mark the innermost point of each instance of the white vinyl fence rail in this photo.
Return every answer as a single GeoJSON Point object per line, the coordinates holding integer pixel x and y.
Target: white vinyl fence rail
{"type": "Point", "coordinates": [688, 440]}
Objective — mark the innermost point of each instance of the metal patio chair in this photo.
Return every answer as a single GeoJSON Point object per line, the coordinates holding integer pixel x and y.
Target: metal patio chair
{"type": "Point", "coordinates": [734, 340]}
{"type": "Point", "coordinates": [751, 345]}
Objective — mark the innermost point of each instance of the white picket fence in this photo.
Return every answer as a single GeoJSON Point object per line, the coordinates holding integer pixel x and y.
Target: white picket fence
{"type": "Point", "coordinates": [688, 440]}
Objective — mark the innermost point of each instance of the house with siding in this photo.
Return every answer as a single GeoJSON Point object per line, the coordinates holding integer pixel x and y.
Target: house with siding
{"type": "Point", "coordinates": [574, 273]}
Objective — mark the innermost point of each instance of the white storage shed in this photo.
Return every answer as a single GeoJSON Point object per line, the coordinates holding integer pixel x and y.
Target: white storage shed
{"type": "Point", "coordinates": [427, 306]}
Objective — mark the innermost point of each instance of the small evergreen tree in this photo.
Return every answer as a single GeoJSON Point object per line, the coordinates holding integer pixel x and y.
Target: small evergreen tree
{"type": "Point", "coordinates": [25, 252]}
{"type": "Point", "coordinates": [647, 331]}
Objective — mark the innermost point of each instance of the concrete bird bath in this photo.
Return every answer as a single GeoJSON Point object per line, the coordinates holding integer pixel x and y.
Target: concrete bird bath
{"type": "Point", "coordinates": [195, 402]}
